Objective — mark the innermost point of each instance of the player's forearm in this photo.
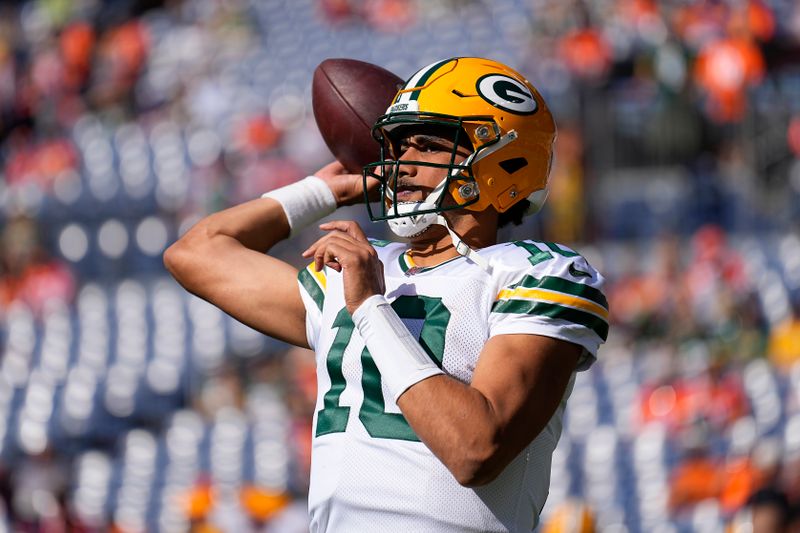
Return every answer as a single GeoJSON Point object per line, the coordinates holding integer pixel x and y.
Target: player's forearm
{"type": "Point", "coordinates": [256, 225]}
{"type": "Point", "coordinates": [260, 224]}
{"type": "Point", "coordinates": [458, 422]}
{"type": "Point", "coordinates": [460, 426]}
{"type": "Point", "coordinates": [252, 226]}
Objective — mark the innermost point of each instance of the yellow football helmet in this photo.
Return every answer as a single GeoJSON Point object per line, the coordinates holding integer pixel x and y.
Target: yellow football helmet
{"type": "Point", "coordinates": [496, 111]}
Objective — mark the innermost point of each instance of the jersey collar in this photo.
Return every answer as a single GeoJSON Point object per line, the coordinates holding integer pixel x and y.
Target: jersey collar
{"type": "Point", "coordinates": [409, 268]}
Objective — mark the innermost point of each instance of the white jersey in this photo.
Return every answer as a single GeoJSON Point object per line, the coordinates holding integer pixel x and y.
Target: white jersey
{"type": "Point", "coordinates": [369, 471]}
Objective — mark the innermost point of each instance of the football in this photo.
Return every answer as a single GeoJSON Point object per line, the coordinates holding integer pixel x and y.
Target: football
{"type": "Point", "coordinates": [347, 97]}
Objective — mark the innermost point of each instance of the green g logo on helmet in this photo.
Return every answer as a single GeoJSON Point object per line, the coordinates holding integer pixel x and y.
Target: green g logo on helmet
{"type": "Point", "coordinates": [507, 94]}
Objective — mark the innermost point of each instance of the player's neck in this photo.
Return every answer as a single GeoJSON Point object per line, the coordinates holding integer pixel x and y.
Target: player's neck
{"type": "Point", "coordinates": [432, 252]}
{"type": "Point", "coordinates": [436, 246]}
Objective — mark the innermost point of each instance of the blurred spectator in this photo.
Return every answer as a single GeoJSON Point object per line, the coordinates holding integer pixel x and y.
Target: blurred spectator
{"type": "Point", "coordinates": [209, 508]}
{"type": "Point", "coordinates": [784, 340]}
{"type": "Point", "coordinates": [198, 504]}
{"type": "Point", "coordinates": [39, 483]}
{"type": "Point", "coordinates": [265, 508]}
{"type": "Point", "coordinates": [652, 300]}
{"type": "Point", "coordinates": [712, 396]}
{"type": "Point", "coordinates": [766, 511]}
{"type": "Point", "coordinates": [390, 15]}
{"type": "Point", "coordinates": [586, 53]}
{"type": "Point", "coordinates": [566, 207]}
{"type": "Point", "coordinates": [38, 164]}
{"type": "Point", "coordinates": [121, 53]}
{"type": "Point", "coordinates": [726, 69]}
{"type": "Point", "coordinates": [697, 477]}
{"type": "Point", "coordinates": [571, 516]}
{"type": "Point", "coordinates": [715, 274]}
{"type": "Point", "coordinates": [221, 389]}
{"type": "Point", "coordinates": [748, 477]}
{"type": "Point", "coordinates": [28, 275]}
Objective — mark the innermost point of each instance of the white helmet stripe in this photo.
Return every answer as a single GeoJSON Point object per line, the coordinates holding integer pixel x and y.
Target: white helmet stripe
{"type": "Point", "coordinates": [421, 74]}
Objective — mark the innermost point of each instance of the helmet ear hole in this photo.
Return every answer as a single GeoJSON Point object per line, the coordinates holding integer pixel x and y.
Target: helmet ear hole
{"type": "Point", "coordinates": [514, 164]}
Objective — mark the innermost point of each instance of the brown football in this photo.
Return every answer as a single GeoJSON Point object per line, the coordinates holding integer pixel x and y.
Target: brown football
{"type": "Point", "coordinates": [348, 96]}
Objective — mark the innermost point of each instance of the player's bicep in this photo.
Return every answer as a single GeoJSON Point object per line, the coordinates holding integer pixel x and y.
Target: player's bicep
{"type": "Point", "coordinates": [524, 378]}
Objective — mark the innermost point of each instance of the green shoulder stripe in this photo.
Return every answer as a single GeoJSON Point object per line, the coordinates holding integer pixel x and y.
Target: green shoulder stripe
{"type": "Point", "coordinates": [312, 288]}
{"type": "Point", "coordinates": [532, 307]}
{"type": "Point", "coordinates": [565, 286]}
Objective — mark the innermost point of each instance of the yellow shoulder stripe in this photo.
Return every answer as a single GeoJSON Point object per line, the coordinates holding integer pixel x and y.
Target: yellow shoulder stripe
{"type": "Point", "coordinates": [319, 276]}
{"type": "Point", "coordinates": [555, 297]}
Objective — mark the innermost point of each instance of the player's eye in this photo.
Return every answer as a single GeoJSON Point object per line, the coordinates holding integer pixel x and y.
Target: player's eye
{"type": "Point", "coordinates": [401, 147]}
{"type": "Point", "coordinates": [431, 144]}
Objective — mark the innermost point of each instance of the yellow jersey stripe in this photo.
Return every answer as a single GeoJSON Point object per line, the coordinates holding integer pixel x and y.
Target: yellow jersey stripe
{"type": "Point", "coordinates": [319, 276]}
{"type": "Point", "coordinates": [554, 297]}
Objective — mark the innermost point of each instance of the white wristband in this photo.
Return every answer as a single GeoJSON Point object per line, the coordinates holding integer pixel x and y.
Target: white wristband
{"type": "Point", "coordinates": [400, 359]}
{"type": "Point", "coordinates": [304, 202]}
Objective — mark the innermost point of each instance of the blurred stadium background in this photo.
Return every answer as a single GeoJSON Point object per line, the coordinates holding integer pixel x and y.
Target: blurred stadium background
{"type": "Point", "coordinates": [128, 405]}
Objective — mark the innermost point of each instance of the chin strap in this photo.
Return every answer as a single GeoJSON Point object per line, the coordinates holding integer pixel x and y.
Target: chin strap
{"type": "Point", "coordinates": [462, 248]}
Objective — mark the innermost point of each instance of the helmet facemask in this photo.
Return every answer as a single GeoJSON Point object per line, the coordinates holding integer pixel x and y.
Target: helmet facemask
{"type": "Point", "coordinates": [458, 178]}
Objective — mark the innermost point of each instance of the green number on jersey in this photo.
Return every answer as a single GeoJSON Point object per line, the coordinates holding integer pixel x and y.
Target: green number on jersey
{"type": "Point", "coordinates": [537, 255]}
{"type": "Point", "coordinates": [332, 417]}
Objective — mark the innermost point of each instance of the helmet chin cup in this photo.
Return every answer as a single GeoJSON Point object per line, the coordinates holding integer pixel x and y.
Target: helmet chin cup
{"type": "Point", "coordinates": [411, 224]}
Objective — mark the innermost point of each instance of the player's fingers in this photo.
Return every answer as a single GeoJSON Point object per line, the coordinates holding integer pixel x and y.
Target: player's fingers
{"type": "Point", "coordinates": [326, 255]}
{"type": "Point", "coordinates": [373, 189]}
{"type": "Point", "coordinates": [337, 252]}
{"type": "Point", "coordinates": [356, 253]}
{"type": "Point", "coordinates": [331, 170]}
{"type": "Point", "coordinates": [349, 227]}
{"type": "Point", "coordinates": [309, 252]}
{"type": "Point", "coordinates": [317, 251]}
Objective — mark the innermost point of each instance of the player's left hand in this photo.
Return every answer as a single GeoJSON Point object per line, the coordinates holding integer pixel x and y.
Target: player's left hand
{"type": "Point", "coordinates": [346, 249]}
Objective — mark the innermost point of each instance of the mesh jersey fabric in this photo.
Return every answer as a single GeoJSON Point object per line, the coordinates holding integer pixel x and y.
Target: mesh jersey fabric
{"type": "Point", "coordinates": [369, 471]}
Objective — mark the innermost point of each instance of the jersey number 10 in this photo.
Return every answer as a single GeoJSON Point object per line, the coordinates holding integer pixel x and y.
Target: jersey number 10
{"type": "Point", "coordinates": [332, 418]}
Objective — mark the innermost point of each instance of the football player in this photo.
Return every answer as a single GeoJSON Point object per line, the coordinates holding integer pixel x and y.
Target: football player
{"type": "Point", "coordinates": [444, 360]}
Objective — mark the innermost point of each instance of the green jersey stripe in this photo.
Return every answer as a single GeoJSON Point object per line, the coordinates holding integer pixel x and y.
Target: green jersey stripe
{"type": "Point", "coordinates": [311, 287]}
{"type": "Point", "coordinates": [532, 307]}
{"type": "Point", "coordinates": [563, 285]}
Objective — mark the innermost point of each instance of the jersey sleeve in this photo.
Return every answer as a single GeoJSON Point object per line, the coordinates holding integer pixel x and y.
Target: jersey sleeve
{"type": "Point", "coordinates": [556, 295]}
{"type": "Point", "coordinates": [313, 285]}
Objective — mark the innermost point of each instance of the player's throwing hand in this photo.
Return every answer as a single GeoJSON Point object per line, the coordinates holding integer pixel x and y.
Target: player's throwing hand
{"type": "Point", "coordinates": [346, 249]}
{"type": "Point", "coordinates": [347, 188]}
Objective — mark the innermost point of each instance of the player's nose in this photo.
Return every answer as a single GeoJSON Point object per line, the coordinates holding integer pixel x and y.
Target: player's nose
{"type": "Point", "coordinates": [406, 164]}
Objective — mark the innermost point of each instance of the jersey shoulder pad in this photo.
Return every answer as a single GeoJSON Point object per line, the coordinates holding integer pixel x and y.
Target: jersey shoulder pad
{"type": "Point", "coordinates": [548, 279]}
{"type": "Point", "coordinates": [519, 258]}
